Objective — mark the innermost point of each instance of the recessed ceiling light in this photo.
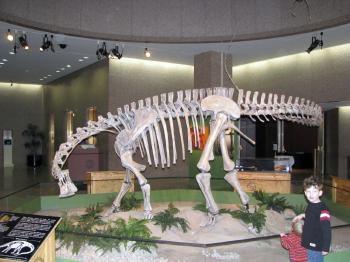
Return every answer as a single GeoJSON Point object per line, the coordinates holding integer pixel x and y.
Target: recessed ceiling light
{"type": "Point", "coordinates": [86, 57]}
{"type": "Point", "coordinates": [11, 53]}
{"type": "Point", "coordinates": [68, 66]}
{"type": "Point", "coordinates": [45, 77]}
{"type": "Point", "coordinates": [48, 75]}
{"type": "Point", "coordinates": [41, 79]}
{"type": "Point", "coordinates": [57, 71]}
{"type": "Point", "coordinates": [2, 63]}
{"type": "Point", "coordinates": [63, 68]}
{"type": "Point", "coordinates": [5, 60]}
{"type": "Point", "coordinates": [80, 60]}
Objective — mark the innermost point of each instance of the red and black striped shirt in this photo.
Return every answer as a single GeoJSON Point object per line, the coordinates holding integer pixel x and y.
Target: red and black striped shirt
{"type": "Point", "coordinates": [292, 242]}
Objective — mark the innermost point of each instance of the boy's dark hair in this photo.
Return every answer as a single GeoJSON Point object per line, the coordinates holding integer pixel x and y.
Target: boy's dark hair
{"type": "Point", "coordinates": [312, 181]}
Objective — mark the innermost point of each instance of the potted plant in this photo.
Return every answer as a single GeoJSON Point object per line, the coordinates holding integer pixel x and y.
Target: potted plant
{"type": "Point", "coordinates": [34, 139]}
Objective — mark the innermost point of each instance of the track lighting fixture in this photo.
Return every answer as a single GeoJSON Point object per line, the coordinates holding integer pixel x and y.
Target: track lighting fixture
{"type": "Point", "coordinates": [9, 35]}
{"type": "Point", "coordinates": [315, 42]}
{"type": "Point", "coordinates": [23, 41]}
{"type": "Point", "coordinates": [147, 53]}
{"type": "Point", "coordinates": [47, 44]}
{"type": "Point", "coordinates": [101, 51]}
{"type": "Point", "coordinates": [115, 53]}
{"type": "Point", "coordinates": [15, 46]}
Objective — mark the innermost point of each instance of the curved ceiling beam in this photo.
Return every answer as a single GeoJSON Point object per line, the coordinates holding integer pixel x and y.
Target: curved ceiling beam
{"type": "Point", "coordinates": [168, 21]}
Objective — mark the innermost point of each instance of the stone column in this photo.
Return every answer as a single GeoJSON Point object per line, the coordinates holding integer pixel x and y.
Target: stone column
{"type": "Point", "coordinates": [209, 70]}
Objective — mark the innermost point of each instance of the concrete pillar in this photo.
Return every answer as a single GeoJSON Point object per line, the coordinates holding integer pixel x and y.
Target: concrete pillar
{"type": "Point", "coordinates": [209, 70]}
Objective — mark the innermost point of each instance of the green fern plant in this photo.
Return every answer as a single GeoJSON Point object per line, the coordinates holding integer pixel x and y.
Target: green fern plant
{"type": "Point", "coordinates": [125, 232]}
{"type": "Point", "coordinates": [298, 209]}
{"type": "Point", "coordinates": [67, 226]}
{"type": "Point", "coordinates": [87, 222]}
{"type": "Point", "coordinates": [271, 201]}
{"type": "Point", "coordinates": [129, 202]}
{"type": "Point", "coordinates": [200, 207]}
{"type": "Point", "coordinates": [257, 218]}
{"type": "Point", "coordinates": [91, 223]}
{"type": "Point", "coordinates": [167, 219]}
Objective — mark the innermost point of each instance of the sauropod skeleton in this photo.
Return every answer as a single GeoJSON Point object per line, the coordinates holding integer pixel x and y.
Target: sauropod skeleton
{"type": "Point", "coordinates": [141, 126]}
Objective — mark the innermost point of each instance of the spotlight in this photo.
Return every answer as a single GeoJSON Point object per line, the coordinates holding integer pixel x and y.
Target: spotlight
{"type": "Point", "coordinates": [23, 41]}
{"type": "Point", "coordinates": [315, 42]}
{"type": "Point", "coordinates": [147, 53]}
{"type": "Point", "coordinates": [9, 35]}
{"type": "Point", "coordinates": [115, 53]}
{"type": "Point", "coordinates": [62, 46]}
{"type": "Point", "coordinates": [47, 44]}
{"type": "Point", "coordinates": [101, 51]}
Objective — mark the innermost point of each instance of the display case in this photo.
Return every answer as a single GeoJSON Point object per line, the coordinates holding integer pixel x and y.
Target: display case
{"type": "Point", "coordinates": [280, 163]}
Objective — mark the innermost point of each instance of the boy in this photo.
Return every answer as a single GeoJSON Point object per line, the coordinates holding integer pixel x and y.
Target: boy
{"type": "Point", "coordinates": [316, 237]}
{"type": "Point", "coordinates": [292, 242]}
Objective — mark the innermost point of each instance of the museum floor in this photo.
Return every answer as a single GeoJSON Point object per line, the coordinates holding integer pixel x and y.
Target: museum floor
{"type": "Point", "coordinates": [25, 182]}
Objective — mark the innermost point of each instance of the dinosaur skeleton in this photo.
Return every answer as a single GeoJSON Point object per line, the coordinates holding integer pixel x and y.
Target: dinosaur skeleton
{"type": "Point", "coordinates": [16, 247]}
{"type": "Point", "coordinates": [144, 127]}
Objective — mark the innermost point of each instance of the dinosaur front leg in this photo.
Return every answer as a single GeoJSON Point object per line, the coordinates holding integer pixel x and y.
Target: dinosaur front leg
{"type": "Point", "coordinates": [126, 185]}
{"type": "Point", "coordinates": [129, 163]}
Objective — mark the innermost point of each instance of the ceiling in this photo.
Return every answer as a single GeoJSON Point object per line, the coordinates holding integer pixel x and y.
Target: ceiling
{"type": "Point", "coordinates": [29, 66]}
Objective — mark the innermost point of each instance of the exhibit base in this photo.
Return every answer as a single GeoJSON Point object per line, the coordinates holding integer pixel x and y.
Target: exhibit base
{"type": "Point", "coordinates": [341, 190]}
{"type": "Point", "coordinates": [106, 181]}
{"type": "Point", "coordinates": [270, 182]}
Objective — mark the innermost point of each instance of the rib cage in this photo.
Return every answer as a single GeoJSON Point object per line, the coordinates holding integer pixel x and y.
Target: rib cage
{"type": "Point", "coordinates": [188, 107]}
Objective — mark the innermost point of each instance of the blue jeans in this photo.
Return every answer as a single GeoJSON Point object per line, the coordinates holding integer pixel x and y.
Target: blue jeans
{"type": "Point", "coordinates": [314, 256]}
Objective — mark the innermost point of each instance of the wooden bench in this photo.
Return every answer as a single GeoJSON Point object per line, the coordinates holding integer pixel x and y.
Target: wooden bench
{"type": "Point", "coordinates": [106, 181]}
{"type": "Point", "coordinates": [341, 190]}
{"type": "Point", "coordinates": [111, 181]}
{"type": "Point", "coordinates": [271, 182]}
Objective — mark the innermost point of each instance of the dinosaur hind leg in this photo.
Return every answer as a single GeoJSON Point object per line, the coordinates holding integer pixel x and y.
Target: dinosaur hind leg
{"type": "Point", "coordinates": [231, 176]}
{"type": "Point", "coordinates": [232, 179]}
{"type": "Point", "coordinates": [203, 180]}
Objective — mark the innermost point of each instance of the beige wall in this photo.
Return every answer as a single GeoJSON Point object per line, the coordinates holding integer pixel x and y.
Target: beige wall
{"type": "Point", "coordinates": [20, 105]}
{"type": "Point", "coordinates": [322, 75]}
{"type": "Point", "coordinates": [131, 80]}
{"type": "Point", "coordinates": [78, 91]}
